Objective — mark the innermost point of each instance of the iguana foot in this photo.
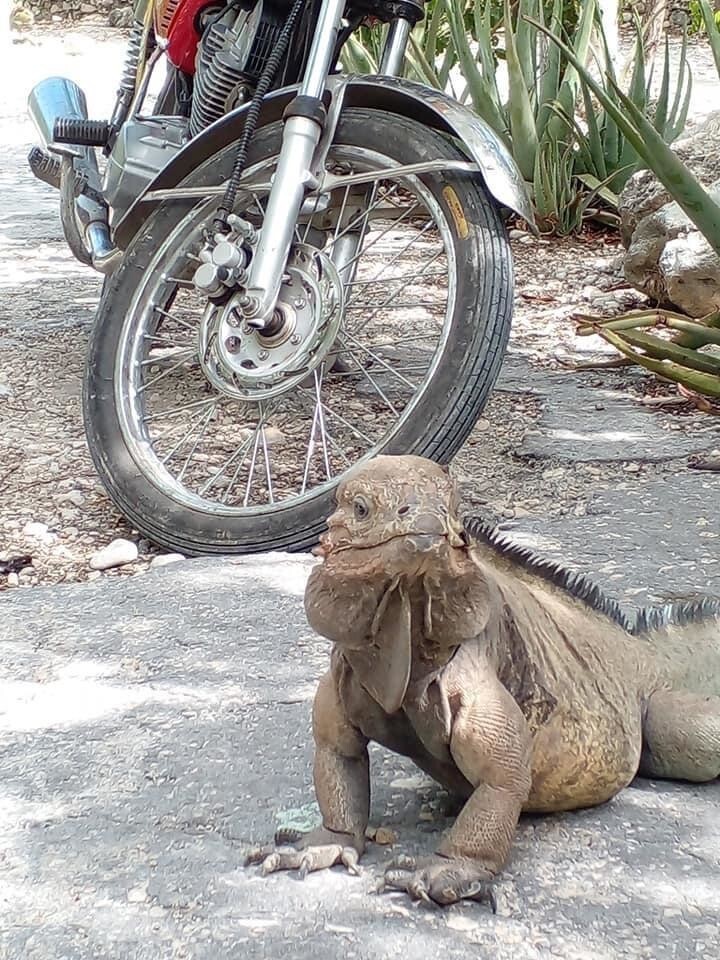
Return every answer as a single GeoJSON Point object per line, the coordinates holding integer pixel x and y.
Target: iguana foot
{"type": "Point", "coordinates": [440, 880]}
{"type": "Point", "coordinates": [317, 850]}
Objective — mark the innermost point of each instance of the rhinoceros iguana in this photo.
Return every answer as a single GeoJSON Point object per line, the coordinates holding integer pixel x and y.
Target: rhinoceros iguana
{"type": "Point", "coordinates": [512, 682]}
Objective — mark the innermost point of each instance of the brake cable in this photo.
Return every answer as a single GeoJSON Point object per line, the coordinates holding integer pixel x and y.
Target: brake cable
{"type": "Point", "coordinates": [252, 116]}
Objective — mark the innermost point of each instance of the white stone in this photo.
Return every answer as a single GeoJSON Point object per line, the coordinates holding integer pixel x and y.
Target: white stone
{"type": "Point", "coordinates": [33, 529]}
{"type": "Point", "coordinates": [115, 554]}
{"type": "Point", "coordinates": [163, 559]}
{"type": "Point", "coordinates": [39, 531]}
{"type": "Point", "coordinates": [457, 921]}
{"type": "Point", "coordinates": [72, 496]}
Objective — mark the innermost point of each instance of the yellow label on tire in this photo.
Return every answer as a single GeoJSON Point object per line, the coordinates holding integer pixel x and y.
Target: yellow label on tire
{"type": "Point", "coordinates": [461, 224]}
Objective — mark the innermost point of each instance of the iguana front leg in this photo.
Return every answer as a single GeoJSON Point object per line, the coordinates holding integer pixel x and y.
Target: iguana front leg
{"type": "Point", "coordinates": [491, 746]}
{"type": "Point", "coordinates": [342, 786]}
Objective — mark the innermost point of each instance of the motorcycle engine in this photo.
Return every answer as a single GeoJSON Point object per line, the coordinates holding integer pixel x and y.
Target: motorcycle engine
{"type": "Point", "coordinates": [235, 45]}
{"type": "Point", "coordinates": [231, 55]}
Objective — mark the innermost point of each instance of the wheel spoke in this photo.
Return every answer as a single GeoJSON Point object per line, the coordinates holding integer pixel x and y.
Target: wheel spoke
{"type": "Point", "coordinates": [373, 382]}
{"type": "Point", "coordinates": [161, 376]}
{"type": "Point", "coordinates": [378, 359]}
{"type": "Point", "coordinates": [404, 278]}
{"type": "Point", "coordinates": [392, 225]}
{"type": "Point", "coordinates": [389, 263]}
{"type": "Point", "coordinates": [198, 440]}
{"type": "Point", "coordinates": [179, 354]}
{"type": "Point", "coordinates": [364, 216]}
{"type": "Point", "coordinates": [266, 458]}
{"type": "Point", "coordinates": [334, 415]}
{"type": "Point", "coordinates": [373, 313]}
{"type": "Point", "coordinates": [318, 375]}
{"type": "Point", "coordinates": [199, 422]}
{"type": "Point", "coordinates": [174, 318]}
{"type": "Point", "coordinates": [178, 411]}
{"type": "Point", "coordinates": [179, 281]}
{"type": "Point", "coordinates": [383, 252]}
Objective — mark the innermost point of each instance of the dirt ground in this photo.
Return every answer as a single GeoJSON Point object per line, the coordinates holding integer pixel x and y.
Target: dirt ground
{"type": "Point", "coordinates": [52, 507]}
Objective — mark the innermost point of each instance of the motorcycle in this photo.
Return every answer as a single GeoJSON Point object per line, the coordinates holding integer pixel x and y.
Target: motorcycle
{"type": "Point", "coordinates": [302, 268]}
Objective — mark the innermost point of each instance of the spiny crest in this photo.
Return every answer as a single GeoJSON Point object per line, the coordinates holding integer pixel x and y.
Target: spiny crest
{"type": "Point", "coordinates": [677, 614]}
{"type": "Point", "coordinates": [573, 583]}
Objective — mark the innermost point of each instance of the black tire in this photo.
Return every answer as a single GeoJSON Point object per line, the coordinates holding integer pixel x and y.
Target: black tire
{"type": "Point", "coordinates": [445, 416]}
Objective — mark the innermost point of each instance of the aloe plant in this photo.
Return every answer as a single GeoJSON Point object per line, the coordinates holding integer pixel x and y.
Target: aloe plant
{"type": "Point", "coordinates": [572, 163]}
{"type": "Point", "coordinates": [678, 358]}
{"type": "Point", "coordinates": [711, 20]}
{"type": "Point", "coordinates": [651, 148]}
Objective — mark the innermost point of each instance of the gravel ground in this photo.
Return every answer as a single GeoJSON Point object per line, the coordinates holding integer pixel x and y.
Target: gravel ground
{"type": "Point", "coordinates": [52, 507]}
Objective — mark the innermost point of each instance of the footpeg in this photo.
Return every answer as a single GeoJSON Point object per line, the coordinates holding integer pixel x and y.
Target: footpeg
{"type": "Point", "coordinates": [84, 133]}
{"type": "Point", "coordinates": [44, 167]}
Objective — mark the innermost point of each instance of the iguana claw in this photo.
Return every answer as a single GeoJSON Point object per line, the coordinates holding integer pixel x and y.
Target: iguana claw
{"type": "Point", "coordinates": [440, 880]}
{"type": "Point", "coordinates": [307, 856]}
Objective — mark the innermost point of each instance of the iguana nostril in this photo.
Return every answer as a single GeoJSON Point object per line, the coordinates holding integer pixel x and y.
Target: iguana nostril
{"type": "Point", "coordinates": [403, 510]}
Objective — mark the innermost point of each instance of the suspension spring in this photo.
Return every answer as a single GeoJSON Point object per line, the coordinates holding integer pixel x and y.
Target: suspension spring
{"type": "Point", "coordinates": [128, 78]}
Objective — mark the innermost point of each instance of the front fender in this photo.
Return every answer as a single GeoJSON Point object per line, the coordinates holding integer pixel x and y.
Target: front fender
{"type": "Point", "coordinates": [403, 97]}
{"type": "Point", "coordinates": [438, 110]}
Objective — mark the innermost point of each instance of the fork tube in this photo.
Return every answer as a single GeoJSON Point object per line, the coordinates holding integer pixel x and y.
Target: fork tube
{"type": "Point", "coordinates": [344, 252]}
{"type": "Point", "coordinates": [393, 56]}
{"type": "Point", "coordinates": [300, 138]}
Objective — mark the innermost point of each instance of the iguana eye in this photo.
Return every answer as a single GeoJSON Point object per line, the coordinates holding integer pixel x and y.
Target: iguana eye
{"type": "Point", "coordinates": [361, 508]}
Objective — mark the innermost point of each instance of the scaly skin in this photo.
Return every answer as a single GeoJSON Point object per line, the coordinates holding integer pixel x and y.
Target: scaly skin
{"type": "Point", "coordinates": [502, 686]}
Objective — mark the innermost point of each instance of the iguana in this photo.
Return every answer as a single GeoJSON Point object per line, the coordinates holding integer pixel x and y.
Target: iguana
{"type": "Point", "coordinates": [510, 681]}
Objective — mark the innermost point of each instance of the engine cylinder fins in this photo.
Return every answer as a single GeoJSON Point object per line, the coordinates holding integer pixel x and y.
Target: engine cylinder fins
{"type": "Point", "coordinates": [214, 90]}
{"type": "Point", "coordinates": [225, 65]}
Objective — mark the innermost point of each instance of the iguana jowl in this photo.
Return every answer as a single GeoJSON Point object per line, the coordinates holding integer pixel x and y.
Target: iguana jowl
{"type": "Point", "coordinates": [511, 682]}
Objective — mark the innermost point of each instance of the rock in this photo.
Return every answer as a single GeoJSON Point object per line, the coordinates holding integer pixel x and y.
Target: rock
{"type": "Point", "coordinates": [122, 17]}
{"type": "Point", "coordinates": [691, 271]}
{"type": "Point", "coordinates": [273, 435]}
{"type": "Point", "coordinates": [21, 18]}
{"type": "Point", "coordinates": [13, 580]}
{"type": "Point", "coordinates": [672, 262]}
{"type": "Point", "coordinates": [643, 194]}
{"type": "Point", "coordinates": [590, 293]}
{"type": "Point", "coordinates": [163, 559]}
{"type": "Point", "coordinates": [137, 895]}
{"type": "Point", "coordinates": [39, 532]}
{"type": "Point", "coordinates": [72, 496]}
{"type": "Point", "coordinates": [385, 837]}
{"type": "Point", "coordinates": [667, 257]}
{"type": "Point", "coordinates": [115, 554]}
{"type": "Point", "coordinates": [460, 921]}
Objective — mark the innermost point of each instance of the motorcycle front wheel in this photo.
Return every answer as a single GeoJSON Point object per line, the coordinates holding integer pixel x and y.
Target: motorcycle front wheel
{"type": "Point", "coordinates": [396, 310]}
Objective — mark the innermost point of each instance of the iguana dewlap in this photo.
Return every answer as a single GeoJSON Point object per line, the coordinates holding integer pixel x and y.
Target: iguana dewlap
{"type": "Point", "coordinates": [511, 682]}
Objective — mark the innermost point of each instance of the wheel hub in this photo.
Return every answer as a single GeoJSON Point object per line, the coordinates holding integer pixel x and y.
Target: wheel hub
{"type": "Point", "coordinates": [251, 364]}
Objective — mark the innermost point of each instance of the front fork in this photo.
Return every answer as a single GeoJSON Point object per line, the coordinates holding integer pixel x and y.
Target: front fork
{"type": "Point", "coordinates": [294, 174]}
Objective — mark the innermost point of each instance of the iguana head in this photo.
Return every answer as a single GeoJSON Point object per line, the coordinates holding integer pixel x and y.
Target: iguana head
{"type": "Point", "coordinates": [406, 501]}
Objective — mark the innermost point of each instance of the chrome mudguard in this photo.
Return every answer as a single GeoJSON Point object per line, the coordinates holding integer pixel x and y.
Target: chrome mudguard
{"type": "Point", "coordinates": [403, 97]}
{"type": "Point", "coordinates": [438, 110]}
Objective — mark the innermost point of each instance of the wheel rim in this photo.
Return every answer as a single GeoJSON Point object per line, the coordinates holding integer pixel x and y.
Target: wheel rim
{"type": "Point", "coordinates": [209, 452]}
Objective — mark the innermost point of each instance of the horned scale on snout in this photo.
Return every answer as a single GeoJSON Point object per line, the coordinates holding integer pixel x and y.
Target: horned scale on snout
{"type": "Point", "coordinates": [514, 683]}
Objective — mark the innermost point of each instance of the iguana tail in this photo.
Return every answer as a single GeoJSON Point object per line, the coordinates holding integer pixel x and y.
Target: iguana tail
{"type": "Point", "coordinates": [685, 637]}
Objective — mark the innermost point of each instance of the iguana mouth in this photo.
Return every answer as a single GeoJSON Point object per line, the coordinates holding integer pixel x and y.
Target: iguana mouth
{"type": "Point", "coordinates": [423, 542]}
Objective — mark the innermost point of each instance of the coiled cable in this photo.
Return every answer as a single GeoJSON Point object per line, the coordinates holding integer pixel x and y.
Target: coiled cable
{"type": "Point", "coordinates": [253, 115]}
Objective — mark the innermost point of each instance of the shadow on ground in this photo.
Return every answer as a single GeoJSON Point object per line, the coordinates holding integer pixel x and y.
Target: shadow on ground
{"type": "Point", "coordinates": [153, 729]}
